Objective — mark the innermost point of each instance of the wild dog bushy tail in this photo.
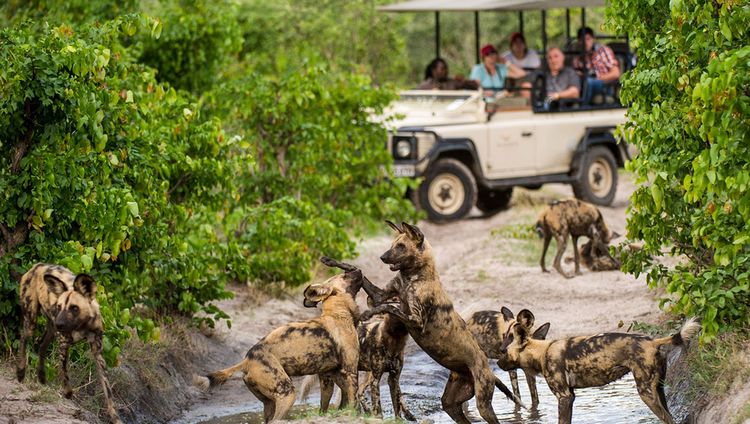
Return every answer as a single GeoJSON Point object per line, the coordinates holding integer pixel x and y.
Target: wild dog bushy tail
{"type": "Point", "coordinates": [689, 329]}
{"type": "Point", "coordinates": [218, 378]}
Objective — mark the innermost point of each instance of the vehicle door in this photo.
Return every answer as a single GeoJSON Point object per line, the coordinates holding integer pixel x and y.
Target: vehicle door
{"type": "Point", "coordinates": [512, 145]}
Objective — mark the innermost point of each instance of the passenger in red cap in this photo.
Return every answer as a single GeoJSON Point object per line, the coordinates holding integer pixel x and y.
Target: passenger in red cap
{"type": "Point", "coordinates": [520, 54]}
{"type": "Point", "coordinates": [490, 74]}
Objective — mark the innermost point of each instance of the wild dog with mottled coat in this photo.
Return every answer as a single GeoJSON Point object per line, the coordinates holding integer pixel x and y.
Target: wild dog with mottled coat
{"type": "Point", "coordinates": [381, 350]}
{"type": "Point", "coordinates": [596, 257]}
{"type": "Point", "coordinates": [592, 361]}
{"type": "Point", "coordinates": [574, 218]}
{"type": "Point", "coordinates": [325, 345]}
{"type": "Point", "coordinates": [433, 323]}
{"type": "Point", "coordinates": [490, 328]}
{"type": "Point", "coordinates": [68, 301]}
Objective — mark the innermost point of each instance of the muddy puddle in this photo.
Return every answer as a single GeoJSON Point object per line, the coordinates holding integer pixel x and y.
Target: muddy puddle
{"type": "Point", "coordinates": [423, 380]}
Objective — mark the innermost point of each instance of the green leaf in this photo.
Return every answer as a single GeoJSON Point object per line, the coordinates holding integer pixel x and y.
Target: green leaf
{"type": "Point", "coordinates": [133, 209]}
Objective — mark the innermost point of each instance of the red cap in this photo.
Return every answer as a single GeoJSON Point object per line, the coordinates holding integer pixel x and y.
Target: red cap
{"type": "Point", "coordinates": [488, 49]}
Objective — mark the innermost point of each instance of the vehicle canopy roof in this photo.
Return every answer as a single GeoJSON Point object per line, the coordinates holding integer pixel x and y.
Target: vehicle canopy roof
{"type": "Point", "coordinates": [485, 5]}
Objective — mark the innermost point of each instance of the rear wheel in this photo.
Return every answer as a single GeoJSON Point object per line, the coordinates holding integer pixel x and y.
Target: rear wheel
{"type": "Point", "coordinates": [598, 181]}
{"type": "Point", "coordinates": [449, 191]}
{"type": "Point", "coordinates": [491, 201]}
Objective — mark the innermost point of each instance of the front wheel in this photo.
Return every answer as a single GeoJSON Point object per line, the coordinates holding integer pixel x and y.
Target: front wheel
{"type": "Point", "coordinates": [597, 183]}
{"type": "Point", "coordinates": [448, 192]}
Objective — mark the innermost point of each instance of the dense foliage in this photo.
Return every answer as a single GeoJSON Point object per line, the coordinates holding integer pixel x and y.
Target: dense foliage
{"type": "Point", "coordinates": [689, 119]}
{"type": "Point", "coordinates": [105, 170]}
{"type": "Point", "coordinates": [165, 154]}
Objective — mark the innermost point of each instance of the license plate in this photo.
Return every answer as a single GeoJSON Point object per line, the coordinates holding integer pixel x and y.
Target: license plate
{"type": "Point", "coordinates": [404, 170]}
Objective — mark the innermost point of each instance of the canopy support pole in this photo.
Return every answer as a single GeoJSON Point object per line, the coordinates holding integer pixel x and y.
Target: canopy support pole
{"type": "Point", "coordinates": [544, 32]}
{"type": "Point", "coordinates": [437, 34]}
{"type": "Point", "coordinates": [567, 25]}
{"type": "Point", "coordinates": [476, 36]}
{"type": "Point", "coordinates": [520, 21]}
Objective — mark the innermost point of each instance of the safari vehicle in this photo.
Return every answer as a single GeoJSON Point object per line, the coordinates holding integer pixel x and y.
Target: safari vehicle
{"type": "Point", "coordinates": [471, 151]}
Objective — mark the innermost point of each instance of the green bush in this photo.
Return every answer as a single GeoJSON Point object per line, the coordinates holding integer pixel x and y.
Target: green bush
{"type": "Point", "coordinates": [198, 40]}
{"type": "Point", "coordinates": [319, 166]}
{"type": "Point", "coordinates": [104, 170]}
{"type": "Point", "coordinates": [688, 116]}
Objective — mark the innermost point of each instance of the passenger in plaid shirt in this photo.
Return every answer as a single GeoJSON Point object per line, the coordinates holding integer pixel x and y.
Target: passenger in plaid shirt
{"type": "Point", "coordinates": [601, 68]}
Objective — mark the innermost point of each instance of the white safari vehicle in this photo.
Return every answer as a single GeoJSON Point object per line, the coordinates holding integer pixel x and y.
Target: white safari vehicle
{"type": "Point", "coordinates": [472, 153]}
{"type": "Point", "coordinates": [469, 156]}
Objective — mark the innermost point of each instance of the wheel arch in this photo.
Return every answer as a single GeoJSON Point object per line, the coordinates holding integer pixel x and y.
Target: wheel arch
{"type": "Point", "coordinates": [597, 136]}
{"type": "Point", "coordinates": [461, 149]}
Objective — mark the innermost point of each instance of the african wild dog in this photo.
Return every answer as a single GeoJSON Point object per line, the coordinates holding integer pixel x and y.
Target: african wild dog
{"type": "Point", "coordinates": [324, 345]}
{"type": "Point", "coordinates": [592, 361]}
{"type": "Point", "coordinates": [573, 218]}
{"type": "Point", "coordinates": [490, 328]}
{"type": "Point", "coordinates": [381, 350]}
{"type": "Point", "coordinates": [69, 303]}
{"type": "Point", "coordinates": [432, 322]}
{"type": "Point", "coordinates": [596, 257]}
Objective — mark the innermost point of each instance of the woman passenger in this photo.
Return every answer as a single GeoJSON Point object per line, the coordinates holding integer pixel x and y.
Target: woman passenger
{"type": "Point", "coordinates": [492, 72]}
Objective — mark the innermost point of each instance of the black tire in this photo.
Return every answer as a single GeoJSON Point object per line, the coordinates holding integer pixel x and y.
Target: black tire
{"type": "Point", "coordinates": [492, 201]}
{"type": "Point", "coordinates": [597, 183]}
{"type": "Point", "coordinates": [448, 191]}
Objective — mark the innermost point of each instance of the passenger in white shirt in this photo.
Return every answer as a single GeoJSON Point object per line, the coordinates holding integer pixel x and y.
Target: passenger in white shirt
{"type": "Point", "coordinates": [520, 55]}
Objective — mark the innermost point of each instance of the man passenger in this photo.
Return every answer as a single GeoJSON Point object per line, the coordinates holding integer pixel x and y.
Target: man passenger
{"type": "Point", "coordinates": [561, 82]}
{"type": "Point", "coordinates": [601, 66]}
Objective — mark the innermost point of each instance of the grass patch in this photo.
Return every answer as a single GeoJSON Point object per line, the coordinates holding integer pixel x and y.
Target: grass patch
{"type": "Point", "coordinates": [715, 366]}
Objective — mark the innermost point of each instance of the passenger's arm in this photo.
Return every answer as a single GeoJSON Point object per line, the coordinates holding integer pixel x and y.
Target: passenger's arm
{"type": "Point", "coordinates": [612, 75]}
{"type": "Point", "coordinates": [571, 92]}
{"type": "Point", "coordinates": [515, 71]}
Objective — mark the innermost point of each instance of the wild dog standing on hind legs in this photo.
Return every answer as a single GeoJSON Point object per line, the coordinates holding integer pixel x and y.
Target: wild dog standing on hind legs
{"type": "Point", "coordinates": [69, 303]}
{"type": "Point", "coordinates": [435, 326]}
{"type": "Point", "coordinates": [325, 345]}
{"type": "Point", "coordinates": [573, 218]}
{"type": "Point", "coordinates": [592, 361]}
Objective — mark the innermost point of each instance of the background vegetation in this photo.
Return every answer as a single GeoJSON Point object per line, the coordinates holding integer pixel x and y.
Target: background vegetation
{"type": "Point", "coordinates": [168, 147]}
{"type": "Point", "coordinates": [689, 103]}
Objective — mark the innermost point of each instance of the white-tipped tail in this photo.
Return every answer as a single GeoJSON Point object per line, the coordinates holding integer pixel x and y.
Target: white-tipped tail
{"type": "Point", "coordinates": [689, 329]}
{"type": "Point", "coordinates": [201, 382]}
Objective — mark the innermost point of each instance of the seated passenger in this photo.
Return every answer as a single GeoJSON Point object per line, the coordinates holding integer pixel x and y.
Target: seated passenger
{"type": "Point", "coordinates": [520, 55]}
{"type": "Point", "coordinates": [600, 67]}
{"type": "Point", "coordinates": [436, 78]}
{"type": "Point", "coordinates": [561, 82]}
{"type": "Point", "coordinates": [490, 74]}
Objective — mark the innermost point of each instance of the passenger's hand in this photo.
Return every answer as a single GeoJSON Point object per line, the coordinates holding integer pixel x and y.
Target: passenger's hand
{"type": "Point", "coordinates": [458, 77]}
{"type": "Point", "coordinates": [502, 59]}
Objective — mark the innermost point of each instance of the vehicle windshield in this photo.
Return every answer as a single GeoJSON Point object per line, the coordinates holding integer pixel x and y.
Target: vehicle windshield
{"type": "Point", "coordinates": [446, 101]}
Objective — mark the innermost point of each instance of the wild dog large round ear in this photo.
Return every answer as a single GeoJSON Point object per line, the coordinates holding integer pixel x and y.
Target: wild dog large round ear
{"type": "Point", "coordinates": [394, 226]}
{"type": "Point", "coordinates": [541, 332]}
{"type": "Point", "coordinates": [85, 285]}
{"type": "Point", "coordinates": [507, 313]}
{"type": "Point", "coordinates": [315, 293]}
{"type": "Point", "coordinates": [54, 284]}
{"type": "Point", "coordinates": [413, 232]}
{"type": "Point", "coordinates": [526, 318]}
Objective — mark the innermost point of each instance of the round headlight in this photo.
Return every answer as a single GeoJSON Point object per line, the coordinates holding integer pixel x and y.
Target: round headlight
{"type": "Point", "coordinates": [403, 149]}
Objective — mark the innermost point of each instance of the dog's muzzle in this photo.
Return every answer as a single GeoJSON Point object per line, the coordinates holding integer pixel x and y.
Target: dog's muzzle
{"type": "Point", "coordinates": [309, 303]}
